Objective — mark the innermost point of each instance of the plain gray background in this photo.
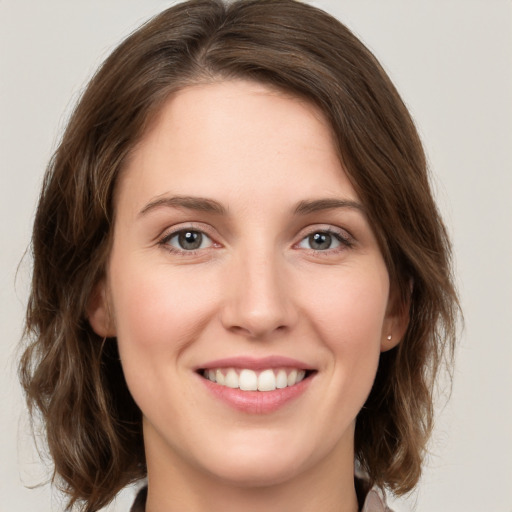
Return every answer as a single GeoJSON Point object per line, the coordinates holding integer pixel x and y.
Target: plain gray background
{"type": "Point", "coordinates": [452, 62]}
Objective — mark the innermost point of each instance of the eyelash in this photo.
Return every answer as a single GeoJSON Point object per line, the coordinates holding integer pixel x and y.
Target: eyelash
{"type": "Point", "coordinates": [345, 240]}
{"type": "Point", "coordinates": [166, 238]}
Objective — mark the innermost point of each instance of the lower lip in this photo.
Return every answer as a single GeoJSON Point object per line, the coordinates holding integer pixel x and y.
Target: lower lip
{"type": "Point", "coordinates": [257, 402]}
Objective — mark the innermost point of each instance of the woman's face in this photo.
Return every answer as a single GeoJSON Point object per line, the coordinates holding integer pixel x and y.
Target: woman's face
{"type": "Point", "coordinates": [242, 257]}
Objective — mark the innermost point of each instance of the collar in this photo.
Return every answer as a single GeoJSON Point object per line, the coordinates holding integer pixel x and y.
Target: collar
{"type": "Point", "coordinates": [375, 501]}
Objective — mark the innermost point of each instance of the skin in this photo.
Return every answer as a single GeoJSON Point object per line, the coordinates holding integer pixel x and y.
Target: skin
{"type": "Point", "coordinates": [255, 288]}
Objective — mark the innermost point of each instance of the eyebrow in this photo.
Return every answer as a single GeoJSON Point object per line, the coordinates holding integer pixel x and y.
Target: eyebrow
{"type": "Point", "coordinates": [204, 204]}
{"type": "Point", "coordinates": [192, 203]}
{"type": "Point", "coordinates": [307, 207]}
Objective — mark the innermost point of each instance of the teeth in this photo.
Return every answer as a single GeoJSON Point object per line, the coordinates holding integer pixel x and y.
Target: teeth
{"type": "Point", "coordinates": [281, 379]}
{"type": "Point", "coordinates": [292, 377]}
{"type": "Point", "coordinates": [232, 379]}
{"type": "Point", "coordinates": [266, 381]}
{"type": "Point", "coordinates": [249, 380]}
{"type": "Point", "coordinates": [219, 378]}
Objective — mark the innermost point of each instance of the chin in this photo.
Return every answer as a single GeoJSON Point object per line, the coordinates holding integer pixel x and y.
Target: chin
{"type": "Point", "coordinates": [256, 474]}
{"type": "Point", "coordinates": [260, 463]}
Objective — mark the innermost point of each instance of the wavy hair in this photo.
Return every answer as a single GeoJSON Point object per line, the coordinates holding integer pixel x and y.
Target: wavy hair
{"type": "Point", "coordinates": [74, 380]}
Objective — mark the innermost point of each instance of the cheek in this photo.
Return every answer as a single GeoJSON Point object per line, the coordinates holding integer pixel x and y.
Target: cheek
{"type": "Point", "coordinates": [349, 318]}
{"type": "Point", "coordinates": [157, 311]}
{"type": "Point", "coordinates": [352, 311]}
{"type": "Point", "coordinates": [158, 314]}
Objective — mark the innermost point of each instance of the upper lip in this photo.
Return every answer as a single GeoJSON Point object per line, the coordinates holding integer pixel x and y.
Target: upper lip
{"type": "Point", "coordinates": [254, 363]}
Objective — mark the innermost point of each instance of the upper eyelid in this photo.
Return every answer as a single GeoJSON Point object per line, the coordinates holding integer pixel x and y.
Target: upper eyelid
{"type": "Point", "coordinates": [169, 232]}
{"type": "Point", "coordinates": [326, 228]}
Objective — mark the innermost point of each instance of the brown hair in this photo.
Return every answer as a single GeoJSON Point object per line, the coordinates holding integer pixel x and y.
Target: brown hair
{"type": "Point", "coordinates": [75, 380]}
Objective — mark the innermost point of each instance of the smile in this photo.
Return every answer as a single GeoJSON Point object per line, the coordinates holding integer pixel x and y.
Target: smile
{"type": "Point", "coordinates": [256, 385]}
{"type": "Point", "coordinates": [246, 379]}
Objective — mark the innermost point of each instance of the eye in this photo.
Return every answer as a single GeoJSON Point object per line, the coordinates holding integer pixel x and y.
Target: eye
{"type": "Point", "coordinates": [187, 240]}
{"type": "Point", "coordinates": [323, 241]}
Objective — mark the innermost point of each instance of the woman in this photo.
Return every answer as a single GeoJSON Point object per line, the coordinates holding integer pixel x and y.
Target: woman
{"type": "Point", "coordinates": [241, 282]}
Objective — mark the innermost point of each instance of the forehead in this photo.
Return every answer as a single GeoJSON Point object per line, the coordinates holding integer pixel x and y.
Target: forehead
{"type": "Point", "coordinates": [235, 137]}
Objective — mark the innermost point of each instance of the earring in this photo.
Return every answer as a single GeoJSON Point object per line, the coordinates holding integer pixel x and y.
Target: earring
{"type": "Point", "coordinates": [389, 337]}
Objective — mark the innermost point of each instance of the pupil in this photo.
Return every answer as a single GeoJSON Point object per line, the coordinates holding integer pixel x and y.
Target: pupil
{"type": "Point", "coordinates": [320, 241]}
{"type": "Point", "coordinates": [190, 240]}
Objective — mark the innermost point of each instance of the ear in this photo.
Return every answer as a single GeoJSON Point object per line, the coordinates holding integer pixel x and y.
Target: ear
{"type": "Point", "coordinates": [396, 320]}
{"type": "Point", "coordinates": [98, 312]}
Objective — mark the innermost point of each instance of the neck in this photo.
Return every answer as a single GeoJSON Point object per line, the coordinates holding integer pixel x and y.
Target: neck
{"type": "Point", "coordinates": [328, 486]}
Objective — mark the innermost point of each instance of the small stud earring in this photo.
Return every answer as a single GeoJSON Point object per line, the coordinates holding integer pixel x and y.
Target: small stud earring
{"type": "Point", "coordinates": [389, 337]}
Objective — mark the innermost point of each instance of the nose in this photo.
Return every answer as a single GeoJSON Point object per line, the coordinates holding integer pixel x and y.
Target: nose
{"type": "Point", "coordinates": [260, 297]}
